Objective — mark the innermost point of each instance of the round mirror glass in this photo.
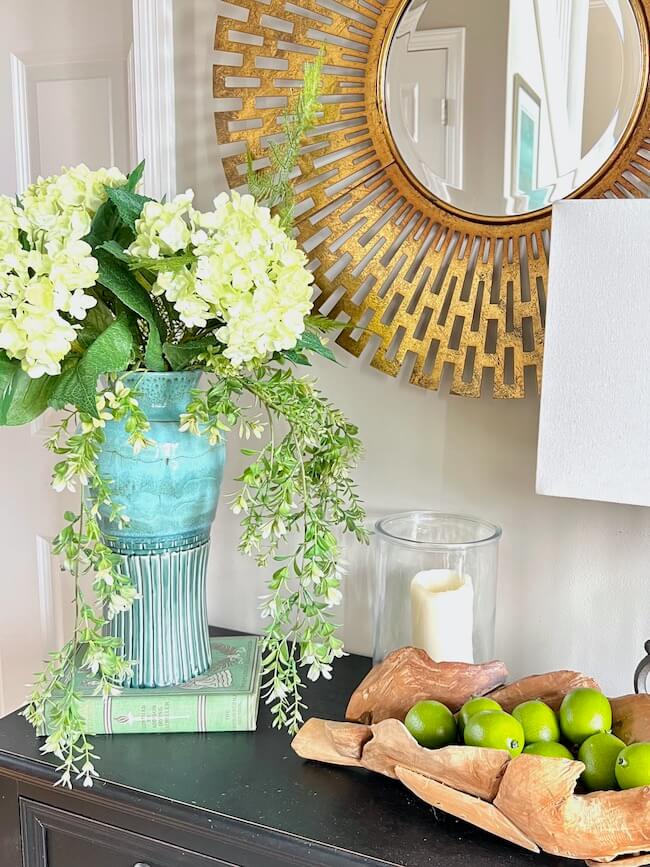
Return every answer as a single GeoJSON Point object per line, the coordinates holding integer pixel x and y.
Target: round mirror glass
{"type": "Point", "coordinates": [501, 107]}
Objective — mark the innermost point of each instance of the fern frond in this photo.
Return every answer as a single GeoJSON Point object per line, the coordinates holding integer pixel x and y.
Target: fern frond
{"type": "Point", "coordinates": [273, 186]}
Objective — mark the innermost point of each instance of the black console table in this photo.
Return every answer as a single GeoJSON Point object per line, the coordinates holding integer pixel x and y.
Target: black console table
{"type": "Point", "coordinates": [227, 799]}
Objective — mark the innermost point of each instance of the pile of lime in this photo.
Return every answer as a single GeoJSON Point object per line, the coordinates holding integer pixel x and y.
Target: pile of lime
{"type": "Point", "coordinates": [581, 729]}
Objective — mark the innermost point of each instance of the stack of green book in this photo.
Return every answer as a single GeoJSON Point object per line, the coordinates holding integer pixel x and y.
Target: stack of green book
{"type": "Point", "coordinates": [224, 699]}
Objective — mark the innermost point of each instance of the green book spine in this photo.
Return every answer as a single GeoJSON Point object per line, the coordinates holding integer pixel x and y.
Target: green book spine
{"type": "Point", "coordinates": [187, 713]}
{"type": "Point", "coordinates": [223, 699]}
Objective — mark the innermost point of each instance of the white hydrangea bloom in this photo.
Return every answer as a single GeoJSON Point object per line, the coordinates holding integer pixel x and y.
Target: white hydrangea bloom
{"type": "Point", "coordinates": [179, 287]}
{"type": "Point", "coordinates": [64, 205]}
{"type": "Point", "coordinates": [162, 230]}
{"type": "Point", "coordinates": [249, 274]}
{"type": "Point", "coordinates": [41, 287]}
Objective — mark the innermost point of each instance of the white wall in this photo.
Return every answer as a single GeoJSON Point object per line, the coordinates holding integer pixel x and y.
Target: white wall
{"type": "Point", "coordinates": [575, 576]}
{"type": "Point", "coordinates": [73, 60]}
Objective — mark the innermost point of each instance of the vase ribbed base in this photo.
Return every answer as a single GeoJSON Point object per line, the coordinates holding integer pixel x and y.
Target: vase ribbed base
{"type": "Point", "coordinates": [165, 633]}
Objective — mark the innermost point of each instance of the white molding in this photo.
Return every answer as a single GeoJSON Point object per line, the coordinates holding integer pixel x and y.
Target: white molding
{"type": "Point", "coordinates": [27, 75]}
{"type": "Point", "coordinates": [452, 39]}
{"type": "Point", "coordinates": [153, 88]}
{"type": "Point", "coordinates": [409, 97]}
{"type": "Point", "coordinates": [49, 596]}
{"type": "Point", "coordinates": [21, 122]}
{"type": "Point", "coordinates": [133, 123]}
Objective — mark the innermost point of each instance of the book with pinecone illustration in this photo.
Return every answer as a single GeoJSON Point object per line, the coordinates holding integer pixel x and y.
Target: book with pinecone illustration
{"type": "Point", "coordinates": [224, 699]}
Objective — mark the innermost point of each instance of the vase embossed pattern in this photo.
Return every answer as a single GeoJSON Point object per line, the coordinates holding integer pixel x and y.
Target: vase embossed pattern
{"type": "Point", "coordinates": [170, 492]}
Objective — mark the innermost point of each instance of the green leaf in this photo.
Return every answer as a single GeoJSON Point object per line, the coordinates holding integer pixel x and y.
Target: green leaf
{"type": "Point", "coordinates": [181, 355]}
{"type": "Point", "coordinates": [113, 275]}
{"type": "Point", "coordinates": [110, 353]}
{"type": "Point", "coordinates": [323, 323]}
{"type": "Point", "coordinates": [296, 357]}
{"type": "Point", "coordinates": [134, 178]}
{"type": "Point", "coordinates": [97, 320]}
{"type": "Point", "coordinates": [318, 322]}
{"type": "Point", "coordinates": [104, 225]}
{"type": "Point", "coordinates": [312, 343]}
{"type": "Point", "coordinates": [129, 205]}
{"type": "Point", "coordinates": [115, 250]}
{"type": "Point", "coordinates": [22, 399]}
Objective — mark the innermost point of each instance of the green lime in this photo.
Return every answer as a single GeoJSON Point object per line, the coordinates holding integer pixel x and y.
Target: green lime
{"type": "Point", "coordinates": [473, 706]}
{"type": "Point", "coordinates": [495, 729]}
{"type": "Point", "coordinates": [551, 749]}
{"type": "Point", "coordinates": [432, 724]}
{"type": "Point", "coordinates": [584, 712]}
{"type": "Point", "coordinates": [598, 754]}
{"type": "Point", "coordinates": [633, 766]}
{"type": "Point", "coordinates": [538, 721]}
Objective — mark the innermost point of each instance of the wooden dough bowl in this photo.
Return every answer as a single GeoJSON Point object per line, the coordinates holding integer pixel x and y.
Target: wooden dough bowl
{"type": "Point", "coordinates": [530, 800]}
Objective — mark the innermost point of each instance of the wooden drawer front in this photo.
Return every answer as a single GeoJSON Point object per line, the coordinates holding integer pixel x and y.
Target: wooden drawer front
{"type": "Point", "coordinates": [55, 838]}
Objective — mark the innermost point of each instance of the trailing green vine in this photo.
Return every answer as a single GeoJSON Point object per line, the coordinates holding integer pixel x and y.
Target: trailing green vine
{"type": "Point", "coordinates": [299, 485]}
{"type": "Point", "coordinates": [77, 440]}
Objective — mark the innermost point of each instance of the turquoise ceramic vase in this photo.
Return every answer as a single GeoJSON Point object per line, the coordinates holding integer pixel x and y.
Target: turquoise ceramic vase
{"type": "Point", "coordinates": [170, 492]}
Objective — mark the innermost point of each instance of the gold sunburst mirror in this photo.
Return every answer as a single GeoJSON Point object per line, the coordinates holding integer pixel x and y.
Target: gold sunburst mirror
{"type": "Point", "coordinates": [448, 129]}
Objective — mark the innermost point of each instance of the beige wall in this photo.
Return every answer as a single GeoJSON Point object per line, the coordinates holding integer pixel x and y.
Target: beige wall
{"type": "Point", "coordinates": [604, 75]}
{"type": "Point", "coordinates": [574, 578]}
{"type": "Point", "coordinates": [612, 72]}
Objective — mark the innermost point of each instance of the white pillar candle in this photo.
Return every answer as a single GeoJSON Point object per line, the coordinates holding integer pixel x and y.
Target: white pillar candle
{"type": "Point", "coordinates": [442, 615]}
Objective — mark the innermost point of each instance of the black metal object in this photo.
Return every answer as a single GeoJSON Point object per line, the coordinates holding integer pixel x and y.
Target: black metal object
{"type": "Point", "coordinates": [241, 799]}
{"type": "Point", "coordinates": [642, 673]}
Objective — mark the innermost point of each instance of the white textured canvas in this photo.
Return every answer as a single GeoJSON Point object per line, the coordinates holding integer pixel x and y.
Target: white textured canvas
{"type": "Point", "coordinates": [594, 431]}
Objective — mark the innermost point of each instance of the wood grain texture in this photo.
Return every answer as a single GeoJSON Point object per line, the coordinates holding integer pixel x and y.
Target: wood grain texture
{"type": "Point", "coordinates": [631, 714]}
{"type": "Point", "coordinates": [529, 800]}
{"type": "Point", "coordinates": [472, 770]}
{"type": "Point", "coordinates": [550, 688]}
{"type": "Point", "coordinates": [479, 813]}
{"type": "Point", "coordinates": [380, 748]}
{"type": "Point", "coordinates": [332, 742]}
{"type": "Point", "coordinates": [409, 675]}
{"type": "Point", "coordinates": [537, 795]}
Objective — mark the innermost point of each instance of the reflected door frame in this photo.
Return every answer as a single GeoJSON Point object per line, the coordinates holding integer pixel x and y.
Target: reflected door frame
{"type": "Point", "coordinates": [451, 39]}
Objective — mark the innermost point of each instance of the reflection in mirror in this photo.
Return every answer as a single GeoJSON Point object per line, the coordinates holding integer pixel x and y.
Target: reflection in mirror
{"type": "Point", "coordinates": [501, 107]}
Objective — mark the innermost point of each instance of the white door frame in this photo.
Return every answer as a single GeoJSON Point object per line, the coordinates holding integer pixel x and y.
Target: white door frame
{"type": "Point", "coordinates": [152, 117]}
{"type": "Point", "coordinates": [153, 100]}
{"type": "Point", "coordinates": [452, 39]}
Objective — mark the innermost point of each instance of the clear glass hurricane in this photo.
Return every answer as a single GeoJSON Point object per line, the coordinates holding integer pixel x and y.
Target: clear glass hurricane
{"type": "Point", "coordinates": [436, 581]}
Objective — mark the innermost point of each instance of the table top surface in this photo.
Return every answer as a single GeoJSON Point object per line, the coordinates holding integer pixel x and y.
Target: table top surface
{"type": "Point", "coordinates": [255, 777]}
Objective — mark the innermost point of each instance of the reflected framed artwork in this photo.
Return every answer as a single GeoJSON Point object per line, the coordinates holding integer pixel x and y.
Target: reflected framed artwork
{"type": "Point", "coordinates": [525, 146]}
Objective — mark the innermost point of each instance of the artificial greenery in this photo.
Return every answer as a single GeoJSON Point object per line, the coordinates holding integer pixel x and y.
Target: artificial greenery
{"type": "Point", "coordinates": [97, 280]}
{"type": "Point", "coordinates": [298, 483]}
{"type": "Point", "coordinates": [274, 185]}
{"type": "Point", "coordinates": [77, 440]}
